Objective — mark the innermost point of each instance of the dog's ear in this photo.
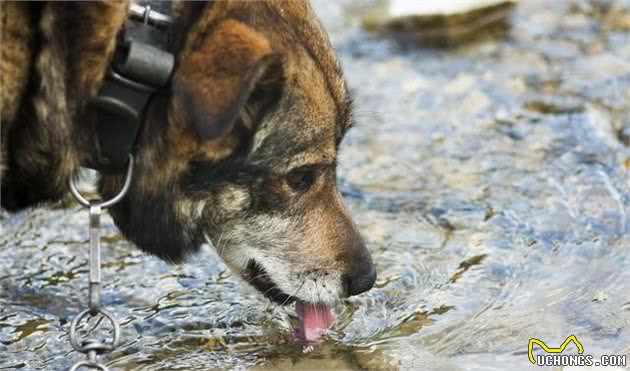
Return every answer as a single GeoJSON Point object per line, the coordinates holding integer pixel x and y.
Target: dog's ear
{"type": "Point", "coordinates": [215, 81]}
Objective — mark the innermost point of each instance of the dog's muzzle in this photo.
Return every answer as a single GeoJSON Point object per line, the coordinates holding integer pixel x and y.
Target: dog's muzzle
{"type": "Point", "coordinates": [256, 275]}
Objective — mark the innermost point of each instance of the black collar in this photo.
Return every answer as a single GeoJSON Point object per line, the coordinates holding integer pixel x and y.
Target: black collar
{"type": "Point", "coordinates": [140, 67]}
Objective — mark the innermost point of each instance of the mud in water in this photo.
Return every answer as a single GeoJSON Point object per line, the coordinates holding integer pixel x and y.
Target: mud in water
{"type": "Point", "coordinates": [491, 181]}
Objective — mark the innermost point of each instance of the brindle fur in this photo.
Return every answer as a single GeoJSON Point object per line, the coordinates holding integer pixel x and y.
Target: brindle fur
{"type": "Point", "coordinates": [258, 78]}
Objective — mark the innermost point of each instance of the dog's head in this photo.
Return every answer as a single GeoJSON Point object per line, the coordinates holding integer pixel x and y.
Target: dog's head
{"type": "Point", "coordinates": [241, 152]}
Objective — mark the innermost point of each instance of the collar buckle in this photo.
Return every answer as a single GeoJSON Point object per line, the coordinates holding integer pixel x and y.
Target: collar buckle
{"type": "Point", "coordinates": [149, 16]}
{"type": "Point", "coordinates": [141, 66]}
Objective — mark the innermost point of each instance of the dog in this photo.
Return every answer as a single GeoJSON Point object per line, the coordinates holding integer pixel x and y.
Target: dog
{"type": "Point", "coordinates": [260, 77]}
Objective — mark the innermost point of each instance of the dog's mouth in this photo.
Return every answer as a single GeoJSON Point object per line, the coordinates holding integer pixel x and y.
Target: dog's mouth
{"type": "Point", "coordinates": [314, 319]}
{"type": "Point", "coordinates": [258, 277]}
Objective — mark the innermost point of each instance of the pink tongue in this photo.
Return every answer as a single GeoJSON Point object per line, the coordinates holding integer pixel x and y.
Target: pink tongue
{"type": "Point", "coordinates": [314, 319]}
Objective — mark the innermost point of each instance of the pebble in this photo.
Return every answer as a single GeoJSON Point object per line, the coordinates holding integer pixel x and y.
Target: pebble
{"type": "Point", "coordinates": [442, 23]}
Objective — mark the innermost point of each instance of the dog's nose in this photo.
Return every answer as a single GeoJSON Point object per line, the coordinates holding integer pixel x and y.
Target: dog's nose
{"type": "Point", "coordinates": [359, 281]}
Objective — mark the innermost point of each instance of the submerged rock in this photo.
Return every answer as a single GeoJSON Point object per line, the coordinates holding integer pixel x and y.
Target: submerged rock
{"type": "Point", "coordinates": [557, 105]}
{"type": "Point", "coordinates": [441, 23]}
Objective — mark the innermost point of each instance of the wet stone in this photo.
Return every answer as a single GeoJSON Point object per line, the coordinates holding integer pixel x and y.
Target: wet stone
{"type": "Point", "coordinates": [624, 135]}
{"type": "Point", "coordinates": [554, 105]}
{"type": "Point", "coordinates": [441, 23]}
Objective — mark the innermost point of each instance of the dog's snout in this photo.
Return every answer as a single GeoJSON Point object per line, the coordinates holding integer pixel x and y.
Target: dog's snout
{"type": "Point", "coordinates": [360, 280]}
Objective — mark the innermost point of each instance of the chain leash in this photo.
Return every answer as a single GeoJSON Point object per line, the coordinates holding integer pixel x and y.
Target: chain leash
{"type": "Point", "coordinates": [90, 346]}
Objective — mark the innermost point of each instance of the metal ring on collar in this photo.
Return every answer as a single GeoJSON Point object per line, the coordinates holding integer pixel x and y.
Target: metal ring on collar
{"type": "Point", "coordinates": [111, 201]}
{"type": "Point", "coordinates": [148, 15]}
{"type": "Point", "coordinates": [88, 344]}
{"type": "Point", "coordinates": [88, 364]}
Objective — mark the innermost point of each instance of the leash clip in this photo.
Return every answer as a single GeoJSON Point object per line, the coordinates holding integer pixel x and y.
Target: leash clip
{"type": "Point", "coordinates": [93, 347]}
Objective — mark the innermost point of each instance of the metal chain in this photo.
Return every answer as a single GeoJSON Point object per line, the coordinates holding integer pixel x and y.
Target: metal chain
{"type": "Point", "coordinates": [93, 347]}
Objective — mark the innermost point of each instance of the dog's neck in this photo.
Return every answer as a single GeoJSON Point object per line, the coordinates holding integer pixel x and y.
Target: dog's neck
{"type": "Point", "coordinates": [51, 131]}
{"type": "Point", "coordinates": [140, 69]}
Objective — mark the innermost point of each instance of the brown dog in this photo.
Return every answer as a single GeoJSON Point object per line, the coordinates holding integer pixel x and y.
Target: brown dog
{"type": "Point", "coordinates": [260, 77]}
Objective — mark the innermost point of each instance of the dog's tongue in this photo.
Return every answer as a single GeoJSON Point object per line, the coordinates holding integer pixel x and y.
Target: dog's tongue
{"type": "Point", "coordinates": [314, 320]}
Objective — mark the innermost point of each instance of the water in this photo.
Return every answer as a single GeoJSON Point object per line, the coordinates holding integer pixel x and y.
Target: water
{"type": "Point", "coordinates": [491, 182]}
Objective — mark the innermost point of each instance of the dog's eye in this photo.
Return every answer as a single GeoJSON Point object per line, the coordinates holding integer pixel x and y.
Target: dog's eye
{"type": "Point", "coordinates": [301, 179]}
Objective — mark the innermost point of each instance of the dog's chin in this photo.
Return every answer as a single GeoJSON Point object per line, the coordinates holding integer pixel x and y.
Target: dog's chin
{"type": "Point", "coordinates": [314, 319]}
{"type": "Point", "coordinates": [257, 276]}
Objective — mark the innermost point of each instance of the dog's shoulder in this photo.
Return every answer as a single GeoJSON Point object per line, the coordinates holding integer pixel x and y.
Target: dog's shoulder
{"type": "Point", "coordinates": [54, 57]}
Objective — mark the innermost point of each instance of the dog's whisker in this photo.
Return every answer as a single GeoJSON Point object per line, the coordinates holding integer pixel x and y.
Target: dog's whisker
{"type": "Point", "coordinates": [269, 289]}
{"type": "Point", "coordinates": [319, 299]}
{"type": "Point", "coordinates": [273, 299]}
{"type": "Point", "coordinates": [267, 305]}
{"type": "Point", "coordinates": [259, 276]}
{"type": "Point", "coordinates": [269, 302]}
{"type": "Point", "coordinates": [294, 294]}
{"type": "Point", "coordinates": [220, 239]}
